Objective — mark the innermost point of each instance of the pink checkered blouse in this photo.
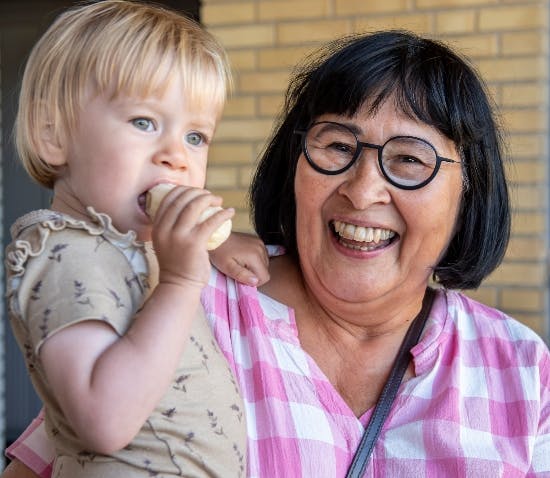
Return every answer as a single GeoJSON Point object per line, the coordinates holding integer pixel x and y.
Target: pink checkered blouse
{"type": "Point", "coordinates": [478, 406]}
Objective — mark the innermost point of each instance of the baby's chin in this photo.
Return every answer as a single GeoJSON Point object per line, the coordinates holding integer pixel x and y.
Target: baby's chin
{"type": "Point", "coordinates": [145, 234]}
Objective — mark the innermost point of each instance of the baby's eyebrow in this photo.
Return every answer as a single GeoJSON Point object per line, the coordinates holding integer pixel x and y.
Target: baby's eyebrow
{"type": "Point", "coordinates": [203, 124]}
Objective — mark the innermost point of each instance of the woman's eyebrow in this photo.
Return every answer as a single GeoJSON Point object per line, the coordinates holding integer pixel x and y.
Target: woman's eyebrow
{"type": "Point", "coordinates": [347, 123]}
{"type": "Point", "coordinates": [353, 127]}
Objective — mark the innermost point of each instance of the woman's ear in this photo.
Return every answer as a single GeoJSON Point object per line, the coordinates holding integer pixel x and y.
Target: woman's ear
{"type": "Point", "coordinates": [50, 146]}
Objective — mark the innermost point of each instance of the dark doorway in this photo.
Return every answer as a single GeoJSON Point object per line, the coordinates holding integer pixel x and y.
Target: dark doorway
{"type": "Point", "coordinates": [21, 24]}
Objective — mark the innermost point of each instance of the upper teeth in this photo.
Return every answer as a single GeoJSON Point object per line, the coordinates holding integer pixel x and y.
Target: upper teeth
{"type": "Point", "coordinates": [362, 234]}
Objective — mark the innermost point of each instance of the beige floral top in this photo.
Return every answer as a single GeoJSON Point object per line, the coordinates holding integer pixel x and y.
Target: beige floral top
{"type": "Point", "coordinates": [61, 271]}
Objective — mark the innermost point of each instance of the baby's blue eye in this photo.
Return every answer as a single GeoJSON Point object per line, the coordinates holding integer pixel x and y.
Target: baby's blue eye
{"type": "Point", "coordinates": [194, 138]}
{"type": "Point", "coordinates": [143, 124]}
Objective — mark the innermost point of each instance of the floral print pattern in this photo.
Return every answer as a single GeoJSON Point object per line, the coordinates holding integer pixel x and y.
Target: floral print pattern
{"type": "Point", "coordinates": [61, 271]}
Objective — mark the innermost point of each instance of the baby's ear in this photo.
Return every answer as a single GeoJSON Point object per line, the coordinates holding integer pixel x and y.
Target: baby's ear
{"type": "Point", "coordinates": [50, 146]}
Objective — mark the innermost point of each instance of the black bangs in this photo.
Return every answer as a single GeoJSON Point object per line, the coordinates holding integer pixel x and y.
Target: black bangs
{"type": "Point", "coordinates": [342, 84]}
{"type": "Point", "coordinates": [440, 88]}
{"type": "Point", "coordinates": [426, 81]}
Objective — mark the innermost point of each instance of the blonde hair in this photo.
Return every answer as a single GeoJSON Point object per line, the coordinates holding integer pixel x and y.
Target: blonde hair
{"type": "Point", "coordinates": [113, 46]}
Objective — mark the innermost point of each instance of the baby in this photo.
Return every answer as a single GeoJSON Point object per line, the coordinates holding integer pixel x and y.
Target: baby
{"type": "Point", "coordinates": [117, 98]}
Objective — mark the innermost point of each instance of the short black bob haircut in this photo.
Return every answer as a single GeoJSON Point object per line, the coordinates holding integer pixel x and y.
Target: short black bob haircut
{"type": "Point", "coordinates": [428, 81]}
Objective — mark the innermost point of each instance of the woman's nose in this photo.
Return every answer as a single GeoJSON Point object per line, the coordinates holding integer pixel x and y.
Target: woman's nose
{"type": "Point", "coordinates": [171, 153]}
{"type": "Point", "coordinates": [364, 183]}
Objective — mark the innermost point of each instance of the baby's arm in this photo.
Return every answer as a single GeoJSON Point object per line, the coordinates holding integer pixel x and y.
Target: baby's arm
{"type": "Point", "coordinates": [108, 385]}
{"type": "Point", "coordinates": [242, 257]}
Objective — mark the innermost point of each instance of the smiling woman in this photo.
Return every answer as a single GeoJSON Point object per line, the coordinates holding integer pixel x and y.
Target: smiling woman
{"type": "Point", "coordinates": [445, 98]}
{"type": "Point", "coordinates": [385, 171]}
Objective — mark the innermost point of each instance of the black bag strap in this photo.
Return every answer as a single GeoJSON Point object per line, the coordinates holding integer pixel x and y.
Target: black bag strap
{"type": "Point", "coordinates": [383, 406]}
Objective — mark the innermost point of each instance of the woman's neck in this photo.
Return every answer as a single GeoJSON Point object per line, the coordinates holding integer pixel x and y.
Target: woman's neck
{"type": "Point", "coordinates": [354, 345]}
{"type": "Point", "coordinates": [383, 316]}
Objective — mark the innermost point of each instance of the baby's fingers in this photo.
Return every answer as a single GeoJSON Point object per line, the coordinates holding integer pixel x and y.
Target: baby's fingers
{"type": "Point", "coordinates": [245, 275]}
{"type": "Point", "coordinates": [183, 204]}
{"type": "Point", "coordinates": [218, 221]}
{"type": "Point", "coordinates": [260, 271]}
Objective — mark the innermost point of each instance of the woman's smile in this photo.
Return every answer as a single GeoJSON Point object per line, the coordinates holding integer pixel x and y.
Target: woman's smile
{"type": "Point", "coordinates": [361, 238]}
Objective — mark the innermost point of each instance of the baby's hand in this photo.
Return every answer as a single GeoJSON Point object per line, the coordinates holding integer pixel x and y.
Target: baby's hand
{"type": "Point", "coordinates": [156, 194]}
{"type": "Point", "coordinates": [243, 257]}
{"type": "Point", "coordinates": [181, 234]}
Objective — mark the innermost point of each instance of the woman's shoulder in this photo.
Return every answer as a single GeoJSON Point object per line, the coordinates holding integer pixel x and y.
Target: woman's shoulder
{"type": "Point", "coordinates": [490, 328]}
{"type": "Point", "coordinates": [270, 303]}
{"type": "Point", "coordinates": [286, 284]}
{"type": "Point", "coordinates": [282, 270]}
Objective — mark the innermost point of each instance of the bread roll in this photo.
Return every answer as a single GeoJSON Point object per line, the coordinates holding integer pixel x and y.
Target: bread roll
{"type": "Point", "coordinates": [156, 194]}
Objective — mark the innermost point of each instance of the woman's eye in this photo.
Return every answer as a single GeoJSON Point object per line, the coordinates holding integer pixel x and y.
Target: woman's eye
{"type": "Point", "coordinates": [143, 124]}
{"type": "Point", "coordinates": [409, 159]}
{"type": "Point", "coordinates": [195, 139]}
{"type": "Point", "coordinates": [342, 148]}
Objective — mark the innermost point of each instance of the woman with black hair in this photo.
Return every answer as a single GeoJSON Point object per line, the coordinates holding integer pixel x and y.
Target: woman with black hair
{"type": "Point", "coordinates": [384, 183]}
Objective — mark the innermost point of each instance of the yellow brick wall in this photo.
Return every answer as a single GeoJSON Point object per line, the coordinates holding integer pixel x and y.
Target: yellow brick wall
{"type": "Point", "coordinates": [508, 41]}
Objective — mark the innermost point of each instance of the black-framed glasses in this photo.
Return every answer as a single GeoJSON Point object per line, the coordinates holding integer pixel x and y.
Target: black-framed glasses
{"type": "Point", "coordinates": [407, 162]}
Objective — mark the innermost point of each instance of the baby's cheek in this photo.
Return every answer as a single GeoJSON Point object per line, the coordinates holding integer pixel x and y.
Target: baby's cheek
{"type": "Point", "coordinates": [198, 178]}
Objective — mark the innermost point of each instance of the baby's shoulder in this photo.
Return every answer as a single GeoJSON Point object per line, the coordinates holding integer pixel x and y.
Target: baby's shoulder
{"type": "Point", "coordinates": [49, 237]}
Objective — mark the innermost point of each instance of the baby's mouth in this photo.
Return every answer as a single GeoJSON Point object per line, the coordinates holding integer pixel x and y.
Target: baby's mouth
{"type": "Point", "coordinates": [361, 238]}
{"type": "Point", "coordinates": [142, 201]}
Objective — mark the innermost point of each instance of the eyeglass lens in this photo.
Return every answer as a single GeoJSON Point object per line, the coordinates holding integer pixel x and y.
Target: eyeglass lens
{"type": "Point", "coordinates": [405, 160]}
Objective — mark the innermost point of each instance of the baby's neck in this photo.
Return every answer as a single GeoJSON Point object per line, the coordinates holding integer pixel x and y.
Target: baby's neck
{"type": "Point", "coordinates": [76, 211]}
